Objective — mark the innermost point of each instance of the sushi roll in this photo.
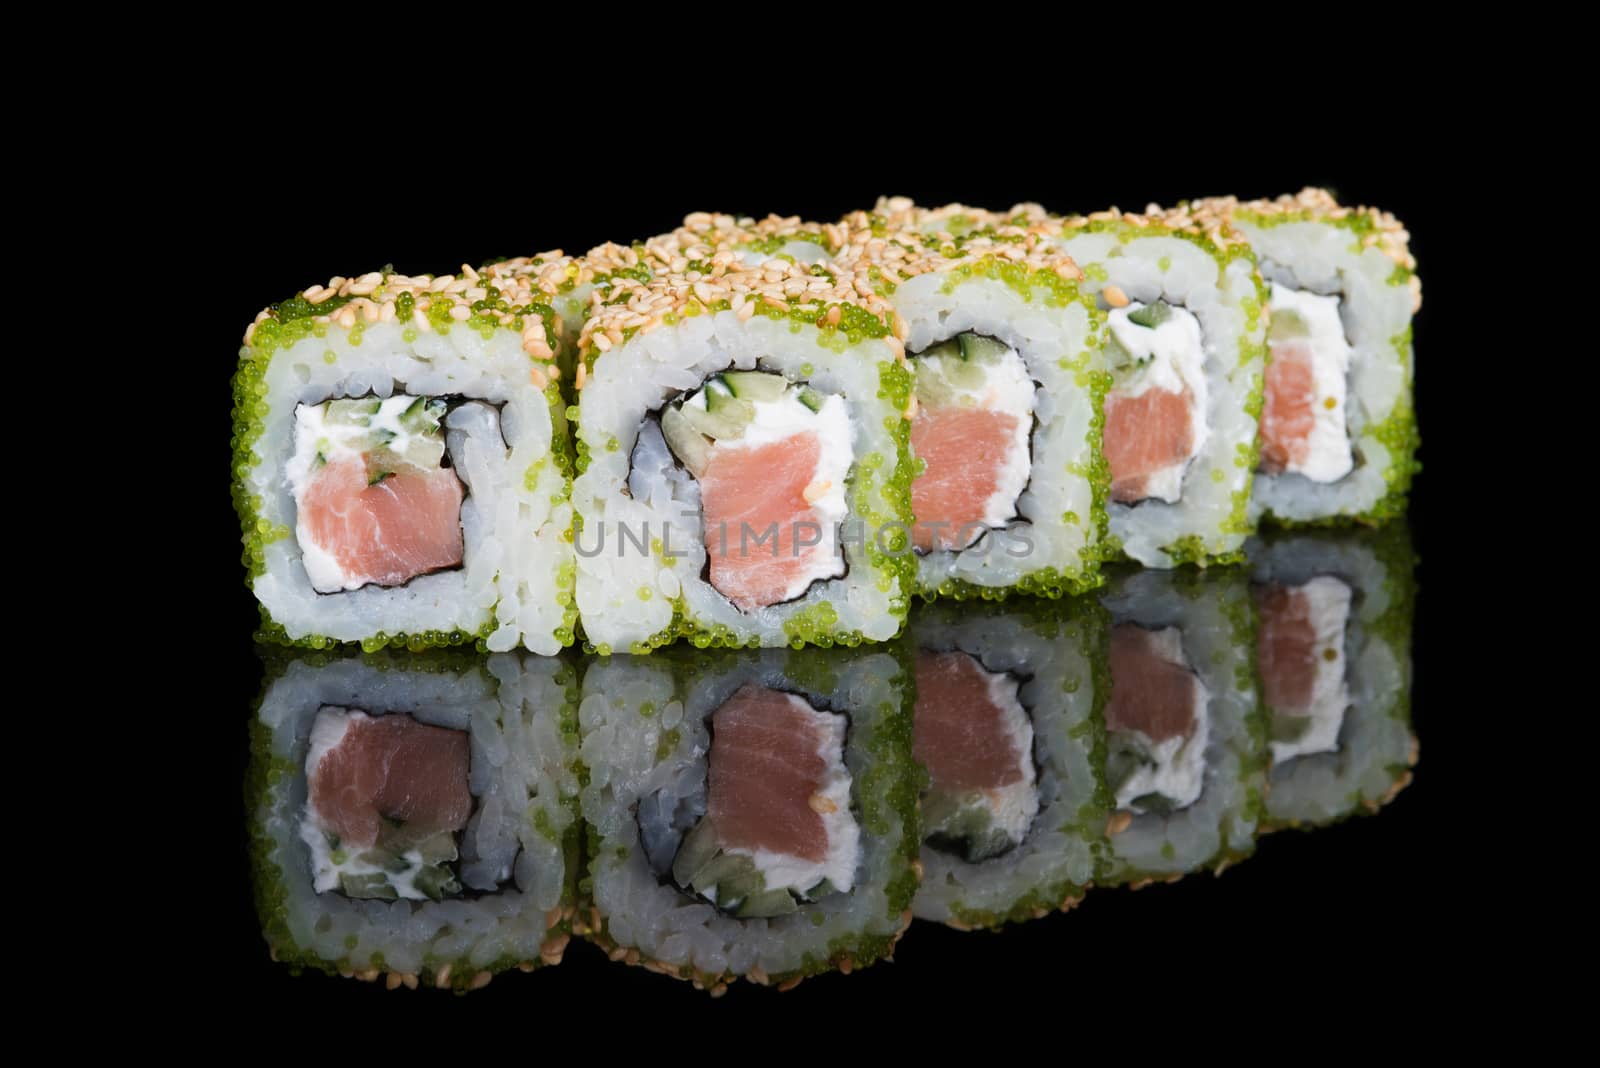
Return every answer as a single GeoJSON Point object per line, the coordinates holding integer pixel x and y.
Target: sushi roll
{"type": "Point", "coordinates": [1333, 619]}
{"type": "Point", "coordinates": [402, 464]}
{"type": "Point", "coordinates": [750, 813]}
{"type": "Point", "coordinates": [1010, 490]}
{"type": "Point", "coordinates": [742, 468]}
{"type": "Point", "coordinates": [1338, 430]}
{"type": "Point", "coordinates": [1008, 731]}
{"type": "Point", "coordinates": [1184, 342]}
{"type": "Point", "coordinates": [1185, 756]}
{"type": "Point", "coordinates": [413, 817]}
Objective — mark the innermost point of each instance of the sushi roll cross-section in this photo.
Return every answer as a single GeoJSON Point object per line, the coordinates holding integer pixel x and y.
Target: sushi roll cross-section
{"type": "Point", "coordinates": [1008, 733]}
{"type": "Point", "coordinates": [1333, 630]}
{"type": "Point", "coordinates": [751, 813]}
{"type": "Point", "coordinates": [1009, 490]}
{"type": "Point", "coordinates": [402, 460]}
{"type": "Point", "coordinates": [1338, 425]}
{"type": "Point", "coordinates": [412, 817]}
{"type": "Point", "coordinates": [742, 422]}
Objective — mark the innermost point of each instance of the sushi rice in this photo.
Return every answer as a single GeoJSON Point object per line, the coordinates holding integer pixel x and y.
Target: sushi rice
{"type": "Point", "coordinates": [645, 725]}
{"type": "Point", "coordinates": [958, 275]}
{"type": "Point", "coordinates": [1368, 759]}
{"type": "Point", "coordinates": [1055, 651]}
{"type": "Point", "coordinates": [1183, 300]}
{"type": "Point", "coordinates": [518, 852]}
{"type": "Point", "coordinates": [476, 356]}
{"type": "Point", "coordinates": [665, 346]}
{"type": "Point", "coordinates": [1208, 614]}
{"type": "Point", "coordinates": [1356, 263]}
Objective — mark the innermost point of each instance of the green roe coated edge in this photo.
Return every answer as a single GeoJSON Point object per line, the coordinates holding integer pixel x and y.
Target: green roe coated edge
{"type": "Point", "coordinates": [269, 882]}
{"type": "Point", "coordinates": [1085, 623]}
{"type": "Point", "coordinates": [888, 792]}
{"type": "Point", "coordinates": [1055, 292]}
{"type": "Point", "coordinates": [1397, 432]}
{"type": "Point", "coordinates": [1192, 549]}
{"type": "Point", "coordinates": [288, 322]}
{"type": "Point", "coordinates": [879, 498]}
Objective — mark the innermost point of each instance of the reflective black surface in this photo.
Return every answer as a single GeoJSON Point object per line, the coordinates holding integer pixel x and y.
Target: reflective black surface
{"type": "Point", "coordinates": [1166, 726]}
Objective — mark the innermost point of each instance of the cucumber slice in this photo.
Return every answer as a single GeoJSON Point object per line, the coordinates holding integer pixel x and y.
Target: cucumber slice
{"type": "Point", "coordinates": [1154, 804]}
{"type": "Point", "coordinates": [437, 881]}
{"type": "Point", "coordinates": [386, 859]}
{"type": "Point", "coordinates": [949, 347]}
{"type": "Point", "coordinates": [687, 443]}
{"type": "Point", "coordinates": [1117, 357]}
{"type": "Point", "coordinates": [767, 903]}
{"type": "Point", "coordinates": [723, 418]}
{"type": "Point", "coordinates": [821, 890]}
{"type": "Point", "coordinates": [723, 871]}
{"type": "Point", "coordinates": [423, 416]}
{"type": "Point", "coordinates": [965, 374]}
{"type": "Point", "coordinates": [698, 849]}
{"type": "Point", "coordinates": [812, 399]}
{"type": "Point", "coordinates": [978, 347]}
{"type": "Point", "coordinates": [933, 389]}
{"type": "Point", "coordinates": [1151, 315]}
{"type": "Point", "coordinates": [368, 886]}
{"type": "Point", "coordinates": [717, 392]}
{"type": "Point", "coordinates": [1287, 326]}
{"type": "Point", "coordinates": [353, 412]}
{"type": "Point", "coordinates": [437, 848]}
{"type": "Point", "coordinates": [756, 385]}
{"type": "Point", "coordinates": [1286, 728]}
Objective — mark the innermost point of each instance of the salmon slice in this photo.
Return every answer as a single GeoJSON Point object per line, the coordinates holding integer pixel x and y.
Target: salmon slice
{"type": "Point", "coordinates": [766, 765]}
{"type": "Point", "coordinates": [1149, 693]}
{"type": "Point", "coordinates": [388, 770]}
{"type": "Point", "coordinates": [404, 524]}
{"type": "Point", "coordinates": [963, 450]}
{"type": "Point", "coordinates": [1145, 434]}
{"type": "Point", "coordinates": [753, 490]}
{"type": "Point", "coordinates": [960, 733]}
{"type": "Point", "coordinates": [1286, 647]}
{"type": "Point", "coordinates": [1289, 413]}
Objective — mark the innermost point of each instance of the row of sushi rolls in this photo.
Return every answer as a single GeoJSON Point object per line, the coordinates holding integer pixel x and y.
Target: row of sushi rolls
{"type": "Point", "coordinates": [980, 558]}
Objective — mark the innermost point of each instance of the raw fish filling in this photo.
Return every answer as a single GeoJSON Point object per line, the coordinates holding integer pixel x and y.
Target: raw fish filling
{"type": "Point", "coordinates": [772, 459]}
{"type": "Point", "coordinates": [971, 439]}
{"type": "Point", "coordinates": [1156, 722]}
{"type": "Point", "coordinates": [1304, 422]}
{"type": "Point", "coordinates": [1300, 650]}
{"type": "Point", "coordinates": [386, 797]}
{"type": "Point", "coordinates": [976, 742]}
{"type": "Point", "coordinates": [1155, 413]}
{"type": "Point", "coordinates": [777, 829]}
{"type": "Point", "coordinates": [374, 503]}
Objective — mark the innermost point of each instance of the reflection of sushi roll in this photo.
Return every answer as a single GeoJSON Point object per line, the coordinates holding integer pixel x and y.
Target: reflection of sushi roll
{"type": "Point", "coordinates": [1333, 618]}
{"type": "Point", "coordinates": [1184, 345]}
{"type": "Point", "coordinates": [750, 814]}
{"type": "Point", "coordinates": [400, 461]}
{"type": "Point", "coordinates": [407, 815]}
{"type": "Point", "coordinates": [742, 450]}
{"type": "Point", "coordinates": [1338, 432]}
{"type": "Point", "coordinates": [1010, 491]}
{"type": "Point", "coordinates": [1013, 813]}
{"type": "Point", "coordinates": [1185, 760]}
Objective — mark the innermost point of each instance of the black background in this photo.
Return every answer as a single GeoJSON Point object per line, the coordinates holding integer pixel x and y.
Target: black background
{"type": "Point", "coordinates": [1310, 922]}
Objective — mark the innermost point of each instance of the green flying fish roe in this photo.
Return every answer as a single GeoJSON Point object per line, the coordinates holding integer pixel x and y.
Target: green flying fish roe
{"type": "Point", "coordinates": [886, 792]}
{"type": "Point", "coordinates": [1050, 581]}
{"type": "Point", "coordinates": [1192, 548]}
{"type": "Point", "coordinates": [287, 323]}
{"type": "Point", "coordinates": [1085, 623]}
{"type": "Point", "coordinates": [268, 771]}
